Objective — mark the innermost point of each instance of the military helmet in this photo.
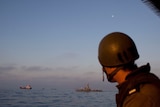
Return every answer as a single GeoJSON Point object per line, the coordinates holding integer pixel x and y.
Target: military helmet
{"type": "Point", "coordinates": [117, 49]}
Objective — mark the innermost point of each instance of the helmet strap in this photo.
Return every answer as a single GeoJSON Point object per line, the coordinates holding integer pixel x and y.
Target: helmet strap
{"type": "Point", "coordinates": [103, 76]}
{"type": "Point", "coordinates": [110, 76]}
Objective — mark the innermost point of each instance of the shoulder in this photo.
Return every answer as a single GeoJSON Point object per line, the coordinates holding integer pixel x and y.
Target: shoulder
{"type": "Point", "coordinates": [148, 95]}
{"type": "Point", "coordinates": [150, 89]}
{"type": "Point", "coordinates": [151, 92]}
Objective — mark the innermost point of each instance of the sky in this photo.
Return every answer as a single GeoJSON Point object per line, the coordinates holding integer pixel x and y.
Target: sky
{"type": "Point", "coordinates": [54, 43]}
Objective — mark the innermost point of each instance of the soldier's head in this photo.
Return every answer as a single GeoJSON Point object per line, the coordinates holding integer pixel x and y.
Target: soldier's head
{"type": "Point", "coordinates": [115, 51]}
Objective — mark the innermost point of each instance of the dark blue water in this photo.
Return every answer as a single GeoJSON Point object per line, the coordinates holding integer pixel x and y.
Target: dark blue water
{"type": "Point", "coordinates": [55, 98]}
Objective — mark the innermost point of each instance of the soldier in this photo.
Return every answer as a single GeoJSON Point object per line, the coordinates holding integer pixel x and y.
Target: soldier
{"type": "Point", "coordinates": [137, 86]}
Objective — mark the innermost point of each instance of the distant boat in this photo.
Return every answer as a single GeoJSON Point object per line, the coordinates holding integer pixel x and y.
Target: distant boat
{"type": "Point", "coordinates": [88, 89]}
{"type": "Point", "coordinates": [26, 87]}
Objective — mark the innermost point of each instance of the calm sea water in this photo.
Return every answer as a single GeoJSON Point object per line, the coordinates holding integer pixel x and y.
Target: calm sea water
{"type": "Point", "coordinates": [55, 98]}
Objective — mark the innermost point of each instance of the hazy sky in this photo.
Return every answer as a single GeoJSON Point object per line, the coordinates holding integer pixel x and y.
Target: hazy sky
{"type": "Point", "coordinates": [54, 43]}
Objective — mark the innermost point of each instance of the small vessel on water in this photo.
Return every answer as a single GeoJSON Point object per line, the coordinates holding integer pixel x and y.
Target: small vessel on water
{"type": "Point", "coordinates": [26, 87]}
{"type": "Point", "coordinates": [88, 89]}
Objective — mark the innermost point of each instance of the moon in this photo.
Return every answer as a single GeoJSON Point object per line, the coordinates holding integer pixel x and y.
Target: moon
{"type": "Point", "coordinates": [112, 16]}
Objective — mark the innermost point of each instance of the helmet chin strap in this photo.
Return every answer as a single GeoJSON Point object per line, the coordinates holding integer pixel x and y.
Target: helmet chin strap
{"type": "Point", "coordinates": [110, 76]}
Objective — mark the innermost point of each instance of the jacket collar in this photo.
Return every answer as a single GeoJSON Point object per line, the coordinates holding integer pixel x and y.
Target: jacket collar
{"type": "Point", "coordinates": [141, 70]}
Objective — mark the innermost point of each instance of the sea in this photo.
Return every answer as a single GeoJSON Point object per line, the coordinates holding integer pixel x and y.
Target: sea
{"type": "Point", "coordinates": [55, 98]}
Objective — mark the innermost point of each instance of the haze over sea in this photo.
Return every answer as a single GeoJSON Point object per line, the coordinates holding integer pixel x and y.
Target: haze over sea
{"type": "Point", "coordinates": [55, 98]}
{"type": "Point", "coordinates": [55, 42]}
